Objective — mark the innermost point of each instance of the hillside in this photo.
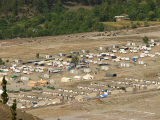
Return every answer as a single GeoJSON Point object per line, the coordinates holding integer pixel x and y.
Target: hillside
{"type": "Point", "coordinates": [20, 8]}
{"type": "Point", "coordinates": [35, 18]}
{"type": "Point", "coordinates": [6, 115]}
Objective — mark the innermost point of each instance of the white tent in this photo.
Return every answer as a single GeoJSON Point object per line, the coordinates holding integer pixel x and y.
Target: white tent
{"type": "Point", "coordinates": [46, 76]}
{"type": "Point", "coordinates": [74, 72]}
{"type": "Point", "coordinates": [88, 77]}
{"type": "Point", "coordinates": [65, 79]}
{"type": "Point", "coordinates": [104, 68]}
{"type": "Point", "coordinates": [87, 70]}
{"type": "Point", "coordinates": [1, 91]}
{"type": "Point", "coordinates": [77, 77]}
{"type": "Point", "coordinates": [24, 78]}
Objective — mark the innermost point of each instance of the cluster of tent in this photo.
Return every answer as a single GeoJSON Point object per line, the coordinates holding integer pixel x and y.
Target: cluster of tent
{"type": "Point", "coordinates": [85, 77]}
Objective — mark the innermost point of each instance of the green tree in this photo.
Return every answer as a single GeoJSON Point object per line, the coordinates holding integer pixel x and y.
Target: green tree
{"type": "Point", "coordinates": [145, 40]}
{"type": "Point", "coordinates": [58, 6]}
{"type": "Point", "coordinates": [1, 35]}
{"type": "Point", "coordinates": [13, 109]}
{"type": "Point", "coordinates": [4, 95]}
{"type": "Point", "coordinates": [7, 60]}
{"type": "Point", "coordinates": [138, 24]}
{"type": "Point", "coordinates": [37, 55]}
{"type": "Point", "coordinates": [146, 24]}
{"type": "Point", "coordinates": [15, 6]}
{"type": "Point", "coordinates": [133, 25]}
{"type": "Point", "coordinates": [75, 60]}
{"type": "Point", "coordinates": [151, 15]}
{"type": "Point", "coordinates": [1, 61]}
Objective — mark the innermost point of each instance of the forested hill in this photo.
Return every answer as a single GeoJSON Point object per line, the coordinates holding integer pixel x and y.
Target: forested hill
{"type": "Point", "coordinates": [31, 7]}
{"type": "Point", "coordinates": [33, 18]}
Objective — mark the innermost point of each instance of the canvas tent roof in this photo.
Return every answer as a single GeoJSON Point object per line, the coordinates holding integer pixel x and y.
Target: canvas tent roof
{"type": "Point", "coordinates": [1, 70]}
{"type": "Point", "coordinates": [13, 76]}
{"type": "Point", "coordinates": [110, 75]}
{"type": "Point", "coordinates": [65, 79]}
{"type": "Point", "coordinates": [87, 77]}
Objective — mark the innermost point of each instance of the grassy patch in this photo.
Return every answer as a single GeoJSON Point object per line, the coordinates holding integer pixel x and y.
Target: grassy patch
{"type": "Point", "coordinates": [128, 24]}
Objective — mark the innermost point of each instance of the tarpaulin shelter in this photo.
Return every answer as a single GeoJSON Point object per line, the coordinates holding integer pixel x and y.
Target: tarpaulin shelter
{"type": "Point", "coordinates": [102, 96]}
{"type": "Point", "coordinates": [110, 75]}
{"type": "Point", "coordinates": [13, 76]}
{"type": "Point", "coordinates": [133, 59]}
{"type": "Point", "coordinates": [1, 70]}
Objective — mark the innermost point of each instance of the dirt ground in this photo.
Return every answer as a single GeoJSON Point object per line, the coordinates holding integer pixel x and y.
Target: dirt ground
{"type": "Point", "coordinates": [5, 114]}
{"type": "Point", "coordinates": [27, 48]}
{"type": "Point", "coordinates": [139, 106]}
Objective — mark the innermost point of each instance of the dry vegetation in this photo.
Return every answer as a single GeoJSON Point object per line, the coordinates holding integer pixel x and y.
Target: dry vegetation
{"type": "Point", "coordinates": [128, 24]}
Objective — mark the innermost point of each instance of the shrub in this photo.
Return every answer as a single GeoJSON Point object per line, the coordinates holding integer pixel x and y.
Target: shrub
{"type": "Point", "coordinates": [4, 95]}
{"type": "Point", "coordinates": [1, 61]}
{"type": "Point", "coordinates": [13, 110]}
{"type": "Point", "coordinates": [138, 24]}
{"type": "Point", "coordinates": [7, 60]}
{"type": "Point", "coordinates": [75, 60]}
{"type": "Point", "coordinates": [123, 88]}
{"type": "Point", "coordinates": [37, 55]}
{"type": "Point", "coordinates": [146, 24]}
{"type": "Point", "coordinates": [133, 25]}
{"type": "Point", "coordinates": [145, 40]}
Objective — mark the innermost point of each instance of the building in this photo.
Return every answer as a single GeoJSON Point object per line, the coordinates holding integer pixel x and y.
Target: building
{"type": "Point", "coordinates": [123, 17]}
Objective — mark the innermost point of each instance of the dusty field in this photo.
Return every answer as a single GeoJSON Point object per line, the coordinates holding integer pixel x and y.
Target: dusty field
{"type": "Point", "coordinates": [27, 48]}
{"type": "Point", "coordinates": [140, 106]}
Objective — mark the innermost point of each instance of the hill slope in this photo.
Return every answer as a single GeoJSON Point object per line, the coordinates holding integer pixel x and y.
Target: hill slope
{"type": "Point", "coordinates": [34, 18]}
{"type": "Point", "coordinates": [6, 115]}
{"type": "Point", "coordinates": [32, 7]}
